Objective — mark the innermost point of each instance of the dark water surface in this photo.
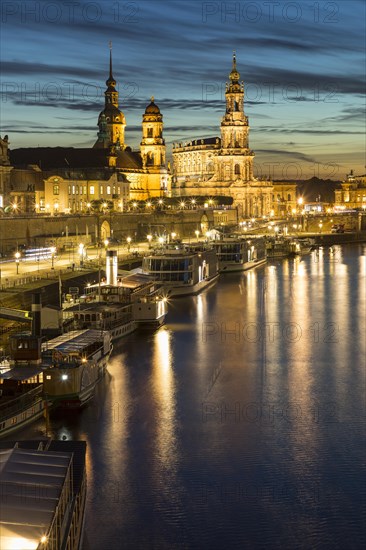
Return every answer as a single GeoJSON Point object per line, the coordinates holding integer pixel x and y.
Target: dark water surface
{"type": "Point", "coordinates": [241, 422]}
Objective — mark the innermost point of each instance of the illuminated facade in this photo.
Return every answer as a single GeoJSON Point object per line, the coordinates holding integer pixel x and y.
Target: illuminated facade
{"type": "Point", "coordinates": [224, 166]}
{"type": "Point", "coordinates": [352, 193]}
{"type": "Point", "coordinates": [65, 179]}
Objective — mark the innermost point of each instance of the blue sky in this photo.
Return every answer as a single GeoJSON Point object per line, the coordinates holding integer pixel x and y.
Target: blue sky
{"type": "Point", "coordinates": [303, 66]}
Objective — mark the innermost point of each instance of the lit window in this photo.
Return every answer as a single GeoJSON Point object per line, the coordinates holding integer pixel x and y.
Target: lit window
{"type": "Point", "coordinates": [108, 189]}
{"type": "Point", "coordinates": [91, 190]}
{"type": "Point", "coordinates": [56, 189]}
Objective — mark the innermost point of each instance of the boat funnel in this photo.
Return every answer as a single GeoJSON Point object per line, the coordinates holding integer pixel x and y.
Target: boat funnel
{"type": "Point", "coordinates": [112, 267]}
{"type": "Point", "coordinates": [36, 314]}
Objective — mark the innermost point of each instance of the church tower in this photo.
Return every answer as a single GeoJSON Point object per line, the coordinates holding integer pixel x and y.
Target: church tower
{"type": "Point", "coordinates": [153, 144]}
{"type": "Point", "coordinates": [235, 160]}
{"type": "Point", "coordinates": [111, 121]}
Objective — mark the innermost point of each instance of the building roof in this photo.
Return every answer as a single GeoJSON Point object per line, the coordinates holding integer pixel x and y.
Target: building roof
{"type": "Point", "coordinates": [70, 162]}
{"type": "Point", "coordinates": [59, 157]}
{"type": "Point", "coordinates": [129, 160]}
{"type": "Point", "coordinates": [31, 484]}
{"type": "Point", "coordinates": [32, 474]}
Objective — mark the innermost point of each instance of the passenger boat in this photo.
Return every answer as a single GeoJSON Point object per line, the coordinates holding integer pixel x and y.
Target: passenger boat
{"type": "Point", "coordinates": [74, 363]}
{"type": "Point", "coordinates": [21, 395]}
{"type": "Point", "coordinates": [238, 254]}
{"type": "Point", "coordinates": [183, 269]}
{"type": "Point", "coordinates": [303, 246]}
{"type": "Point", "coordinates": [279, 247]}
{"type": "Point", "coordinates": [120, 305]}
{"type": "Point", "coordinates": [21, 398]}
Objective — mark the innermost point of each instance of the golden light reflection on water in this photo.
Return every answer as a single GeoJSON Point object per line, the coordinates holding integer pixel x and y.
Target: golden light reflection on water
{"type": "Point", "coordinates": [164, 393]}
{"type": "Point", "coordinates": [115, 413]}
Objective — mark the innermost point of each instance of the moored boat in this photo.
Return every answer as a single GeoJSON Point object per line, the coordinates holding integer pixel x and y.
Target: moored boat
{"type": "Point", "coordinates": [21, 398]}
{"type": "Point", "coordinates": [74, 363]}
{"type": "Point", "coordinates": [21, 395]}
{"type": "Point", "coordinates": [238, 254]}
{"type": "Point", "coordinates": [121, 304]}
{"type": "Point", "coordinates": [279, 247]}
{"type": "Point", "coordinates": [183, 269]}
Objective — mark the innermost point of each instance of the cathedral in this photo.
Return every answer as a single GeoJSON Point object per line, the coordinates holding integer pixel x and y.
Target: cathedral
{"type": "Point", "coordinates": [224, 165]}
{"type": "Point", "coordinates": [66, 179]}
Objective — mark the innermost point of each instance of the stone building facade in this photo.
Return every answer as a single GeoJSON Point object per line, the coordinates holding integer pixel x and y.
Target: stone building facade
{"type": "Point", "coordinates": [224, 165]}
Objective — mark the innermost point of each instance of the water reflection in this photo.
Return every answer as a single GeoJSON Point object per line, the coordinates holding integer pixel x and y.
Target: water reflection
{"type": "Point", "coordinates": [163, 384]}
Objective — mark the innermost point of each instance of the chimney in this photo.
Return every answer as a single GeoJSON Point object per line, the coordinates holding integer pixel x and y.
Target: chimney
{"type": "Point", "coordinates": [112, 267]}
{"type": "Point", "coordinates": [36, 314]}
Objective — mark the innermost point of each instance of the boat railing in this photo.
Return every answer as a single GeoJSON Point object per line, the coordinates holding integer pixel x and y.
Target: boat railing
{"type": "Point", "coordinates": [16, 405]}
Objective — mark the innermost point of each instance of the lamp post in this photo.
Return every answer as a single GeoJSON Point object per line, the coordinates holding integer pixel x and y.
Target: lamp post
{"type": "Point", "coordinates": [197, 234]}
{"type": "Point", "coordinates": [149, 237]}
{"type": "Point", "coordinates": [17, 258]}
{"type": "Point", "coordinates": [173, 235]}
{"type": "Point", "coordinates": [128, 243]}
{"type": "Point", "coordinates": [53, 250]}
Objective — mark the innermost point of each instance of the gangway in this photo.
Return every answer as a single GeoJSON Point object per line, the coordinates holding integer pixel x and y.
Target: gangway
{"type": "Point", "coordinates": [15, 314]}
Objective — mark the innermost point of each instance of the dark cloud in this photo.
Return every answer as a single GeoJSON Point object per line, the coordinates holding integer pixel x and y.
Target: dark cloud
{"type": "Point", "coordinates": [293, 154]}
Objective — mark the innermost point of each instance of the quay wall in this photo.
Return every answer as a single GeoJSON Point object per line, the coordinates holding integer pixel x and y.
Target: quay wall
{"type": "Point", "coordinates": [46, 230]}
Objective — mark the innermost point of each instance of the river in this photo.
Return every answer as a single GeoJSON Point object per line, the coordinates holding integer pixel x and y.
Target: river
{"type": "Point", "coordinates": [241, 422]}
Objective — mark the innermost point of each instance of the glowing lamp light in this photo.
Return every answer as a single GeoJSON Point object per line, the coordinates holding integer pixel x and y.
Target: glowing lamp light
{"type": "Point", "coordinates": [64, 377]}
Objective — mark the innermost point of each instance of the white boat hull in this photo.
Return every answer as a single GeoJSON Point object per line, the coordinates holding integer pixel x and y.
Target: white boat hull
{"type": "Point", "coordinates": [237, 266]}
{"type": "Point", "coordinates": [188, 290]}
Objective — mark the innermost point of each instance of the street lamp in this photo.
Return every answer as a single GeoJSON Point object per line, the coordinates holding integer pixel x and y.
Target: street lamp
{"type": "Point", "coordinates": [173, 235]}
{"type": "Point", "coordinates": [161, 241]}
{"type": "Point", "coordinates": [17, 258]}
{"type": "Point", "coordinates": [128, 243]}
{"type": "Point", "coordinates": [53, 250]}
{"type": "Point", "coordinates": [149, 238]}
{"type": "Point", "coordinates": [320, 227]}
{"type": "Point", "coordinates": [197, 234]}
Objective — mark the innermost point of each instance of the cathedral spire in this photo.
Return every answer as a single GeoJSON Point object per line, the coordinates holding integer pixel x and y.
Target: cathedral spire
{"type": "Point", "coordinates": [111, 83]}
{"type": "Point", "coordinates": [111, 120]}
{"type": "Point", "coordinates": [110, 61]}
{"type": "Point", "coordinates": [234, 75]}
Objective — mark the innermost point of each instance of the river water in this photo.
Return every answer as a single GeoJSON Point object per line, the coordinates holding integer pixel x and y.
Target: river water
{"type": "Point", "coordinates": [238, 424]}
